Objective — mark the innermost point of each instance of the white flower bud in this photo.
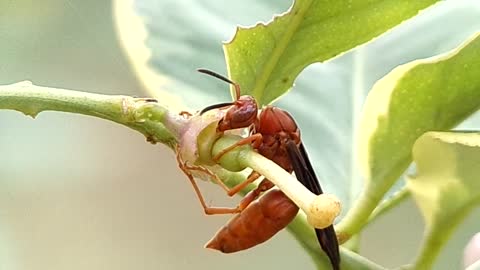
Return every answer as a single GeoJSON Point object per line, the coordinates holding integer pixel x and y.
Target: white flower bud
{"type": "Point", "coordinates": [323, 211]}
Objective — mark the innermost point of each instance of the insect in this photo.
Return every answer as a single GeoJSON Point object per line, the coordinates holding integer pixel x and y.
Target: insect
{"type": "Point", "coordinates": [275, 135]}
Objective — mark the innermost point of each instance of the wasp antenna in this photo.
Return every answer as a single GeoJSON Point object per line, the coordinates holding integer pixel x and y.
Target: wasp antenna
{"type": "Point", "coordinates": [223, 78]}
{"type": "Point", "coordinates": [216, 75]}
{"type": "Point", "coordinates": [215, 106]}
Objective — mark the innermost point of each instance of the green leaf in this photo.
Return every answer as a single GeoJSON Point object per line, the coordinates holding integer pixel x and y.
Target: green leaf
{"type": "Point", "coordinates": [446, 186]}
{"type": "Point", "coordinates": [168, 40]}
{"type": "Point", "coordinates": [430, 94]}
{"type": "Point", "coordinates": [266, 59]}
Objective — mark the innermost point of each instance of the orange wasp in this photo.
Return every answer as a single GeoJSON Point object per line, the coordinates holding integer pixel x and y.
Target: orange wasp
{"type": "Point", "coordinates": [275, 135]}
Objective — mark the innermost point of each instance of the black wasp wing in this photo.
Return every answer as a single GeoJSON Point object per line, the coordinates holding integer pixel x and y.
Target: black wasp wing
{"type": "Point", "coordinates": [306, 175]}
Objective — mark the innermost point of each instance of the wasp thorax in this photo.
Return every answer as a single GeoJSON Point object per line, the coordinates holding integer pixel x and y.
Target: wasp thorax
{"type": "Point", "coordinates": [274, 121]}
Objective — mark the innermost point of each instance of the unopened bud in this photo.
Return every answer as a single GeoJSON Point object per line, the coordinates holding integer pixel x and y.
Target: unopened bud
{"type": "Point", "coordinates": [323, 211]}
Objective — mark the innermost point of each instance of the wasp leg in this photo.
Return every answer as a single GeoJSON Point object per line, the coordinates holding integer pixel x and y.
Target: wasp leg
{"type": "Point", "coordinates": [249, 198]}
{"type": "Point", "coordinates": [254, 194]}
{"type": "Point", "coordinates": [209, 210]}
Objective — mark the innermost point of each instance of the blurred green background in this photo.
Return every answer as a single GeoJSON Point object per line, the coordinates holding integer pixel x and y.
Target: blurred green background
{"type": "Point", "coordinates": [81, 193]}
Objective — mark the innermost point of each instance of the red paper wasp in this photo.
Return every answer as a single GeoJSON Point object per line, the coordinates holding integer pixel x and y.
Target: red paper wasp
{"type": "Point", "coordinates": [275, 135]}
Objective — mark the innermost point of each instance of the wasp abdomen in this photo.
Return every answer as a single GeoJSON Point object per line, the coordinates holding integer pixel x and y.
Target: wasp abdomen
{"type": "Point", "coordinates": [256, 224]}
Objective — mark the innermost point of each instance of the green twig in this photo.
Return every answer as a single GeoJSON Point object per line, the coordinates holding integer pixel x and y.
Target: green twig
{"type": "Point", "coordinates": [372, 194]}
{"type": "Point", "coordinates": [305, 235]}
{"type": "Point", "coordinates": [363, 212]}
{"type": "Point", "coordinates": [143, 115]}
{"type": "Point", "coordinates": [436, 236]}
{"type": "Point", "coordinates": [391, 202]}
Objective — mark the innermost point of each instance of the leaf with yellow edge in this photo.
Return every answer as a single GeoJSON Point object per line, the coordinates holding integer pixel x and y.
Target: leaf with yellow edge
{"type": "Point", "coordinates": [266, 59]}
{"type": "Point", "coordinates": [429, 94]}
{"type": "Point", "coordinates": [446, 186]}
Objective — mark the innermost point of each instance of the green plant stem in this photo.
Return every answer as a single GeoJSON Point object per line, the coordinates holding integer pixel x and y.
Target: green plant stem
{"type": "Point", "coordinates": [436, 236]}
{"type": "Point", "coordinates": [305, 235]}
{"type": "Point", "coordinates": [353, 244]}
{"type": "Point", "coordinates": [143, 115]}
{"type": "Point", "coordinates": [372, 194]}
{"type": "Point", "coordinates": [431, 248]}
{"type": "Point", "coordinates": [385, 206]}
{"type": "Point", "coordinates": [357, 216]}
